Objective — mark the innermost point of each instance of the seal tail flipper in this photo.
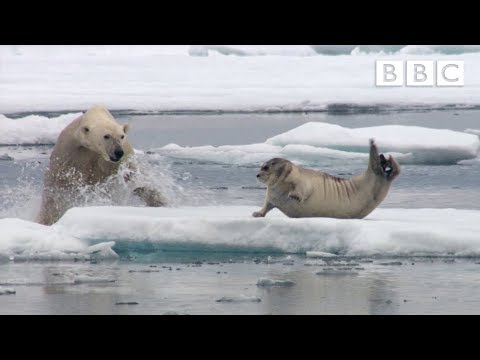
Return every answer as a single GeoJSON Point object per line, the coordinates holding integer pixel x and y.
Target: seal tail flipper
{"type": "Point", "coordinates": [374, 161]}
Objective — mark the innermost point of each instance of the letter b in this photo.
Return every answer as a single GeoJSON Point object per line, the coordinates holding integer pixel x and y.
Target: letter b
{"type": "Point", "coordinates": [420, 73]}
{"type": "Point", "coordinates": [389, 73]}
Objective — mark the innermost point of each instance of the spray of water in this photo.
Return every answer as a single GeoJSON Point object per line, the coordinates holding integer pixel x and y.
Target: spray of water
{"type": "Point", "coordinates": [21, 196]}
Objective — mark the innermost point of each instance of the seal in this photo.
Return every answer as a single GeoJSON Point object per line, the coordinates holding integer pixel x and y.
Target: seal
{"type": "Point", "coordinates": [299, 192]}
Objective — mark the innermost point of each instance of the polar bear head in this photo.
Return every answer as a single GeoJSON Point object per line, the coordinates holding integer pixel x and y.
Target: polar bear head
{"type": "Point", "coordinates": [99, 132]}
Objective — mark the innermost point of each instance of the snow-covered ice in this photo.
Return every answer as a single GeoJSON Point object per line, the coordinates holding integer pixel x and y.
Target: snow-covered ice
{"type": "Point", "coordinates": [33, 129]}
{"type": "Point", "coordinates": [388, 232]}
{"type": "Point", "coordinates": [178, 78]}
{"type": "Point", "coordinates": [25, 240]}
{"type": "Point", "coordinates": [316, 140]}
{"type": "Point", "coordinates": [385, 232]}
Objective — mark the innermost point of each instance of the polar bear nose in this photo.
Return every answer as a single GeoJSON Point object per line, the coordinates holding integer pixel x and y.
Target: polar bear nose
{"type": "Point", "coordinates": [118, 153]}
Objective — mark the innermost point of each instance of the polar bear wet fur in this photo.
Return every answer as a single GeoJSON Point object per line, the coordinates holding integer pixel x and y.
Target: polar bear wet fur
{"type": "Point", "coordinates": [87, 152]}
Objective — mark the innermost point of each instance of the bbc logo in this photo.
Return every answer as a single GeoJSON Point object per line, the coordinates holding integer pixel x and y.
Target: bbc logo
{"type": "Point", "coordinates": [419, 73]}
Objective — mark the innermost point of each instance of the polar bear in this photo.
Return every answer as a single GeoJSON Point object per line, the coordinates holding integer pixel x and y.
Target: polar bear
{"type": "Point", "coordinates": [88, 151]}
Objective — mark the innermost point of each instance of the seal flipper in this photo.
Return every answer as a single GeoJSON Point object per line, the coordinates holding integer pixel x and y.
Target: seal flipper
{"type": "Point", "coordinates": [386, 165]}
{"type": "Point", "coordinates": [382, 166]}
{"type": "Point", "coordinates": [300, 193]}
{"type": "Point", "coordinates": [374, 162]}
{"type": "Point", "coordinates": [390, 167]}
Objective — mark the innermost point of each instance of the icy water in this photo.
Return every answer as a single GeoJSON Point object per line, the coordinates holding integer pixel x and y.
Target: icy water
{"type": "Point", "coordinates": [191, 284]}
{"type": "Point", "coordinates": [146, 280]}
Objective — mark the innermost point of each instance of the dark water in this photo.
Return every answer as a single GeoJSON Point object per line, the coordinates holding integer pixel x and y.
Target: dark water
{"type": "Point", "coordinates": [416, 286]}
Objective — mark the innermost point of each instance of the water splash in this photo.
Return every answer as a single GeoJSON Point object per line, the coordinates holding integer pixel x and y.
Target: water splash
{"type": "Point", "coordinates": [22, 198]}
{"type": "Point", "coordinates": [21, 190]}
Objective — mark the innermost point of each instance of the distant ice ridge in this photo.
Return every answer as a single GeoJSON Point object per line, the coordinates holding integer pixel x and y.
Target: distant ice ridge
{"type": "Point", "coordinates": [33, 129]}
{"type": "Point", "coordinates": [168, 78]}
{"type": "Point", "coordinates": [74, 51]}
{"type": "Point", "coordinates": [310, 50]}
{"type": "Point", "coordinates": [310, 143]}
{"type": "Point", "coordinates": [253, 50]}
{"type": "Point", "coordinates": [385, 232]}
{"type": "Point", "coordinates": [314, 142]}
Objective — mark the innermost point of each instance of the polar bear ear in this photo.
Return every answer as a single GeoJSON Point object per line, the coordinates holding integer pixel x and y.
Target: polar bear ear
{"type": "Point", "coordinates": [125, 128]}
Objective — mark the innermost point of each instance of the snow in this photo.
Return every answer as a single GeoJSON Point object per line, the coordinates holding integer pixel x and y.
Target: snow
{"type": "Point", "coordinates": [263, 78]}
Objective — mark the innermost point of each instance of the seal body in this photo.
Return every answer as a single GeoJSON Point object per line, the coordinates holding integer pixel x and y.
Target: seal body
{"type": "Point", "coordinates": [299, 192]}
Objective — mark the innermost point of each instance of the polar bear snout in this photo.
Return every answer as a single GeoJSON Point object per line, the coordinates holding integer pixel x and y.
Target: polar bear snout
{"type": "Point", "coordinates": [117, 155]}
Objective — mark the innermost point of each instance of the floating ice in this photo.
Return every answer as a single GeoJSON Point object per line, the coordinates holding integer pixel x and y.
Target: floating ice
{"type": "Point", "coordinates": [85, 279]}
{"type": "Point", "coordinates": [424, 145]}
{"type": "Point", "coordinates": [7, 291]}
{"type": "Point", "coordinates": [319, 254]}
{"type": "Point", "coordinates": [6, 157]}
{"type": "Point", "coordinates": [238, 299]}
{"type": "Point", "coordinates": [315, 142]}
{"type": "Point", "coordinates": [33, 129]}
{"type": "Point", "coordinates": [385, 232]}
{"type": "Point", "coordinates": [266, 282]}
{"type": "Point", "coordinates": [24, 240]}
{"type": "Point", "coordinates": [337, 272]}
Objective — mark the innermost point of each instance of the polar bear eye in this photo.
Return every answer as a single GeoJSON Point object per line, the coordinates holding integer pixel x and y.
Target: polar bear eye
{"type": "Point", "coordinates": [106, 137]}
{"type": "Point", "coordinates": [86, 129]}
{"type": "Point", "coordinates": [122, 137]}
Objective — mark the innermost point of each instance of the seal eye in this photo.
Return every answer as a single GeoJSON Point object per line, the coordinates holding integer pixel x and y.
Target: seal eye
{"type": "Point", "coordinates": [265, 168]}
{"type": "Point", "coordinates": [106, 137]}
